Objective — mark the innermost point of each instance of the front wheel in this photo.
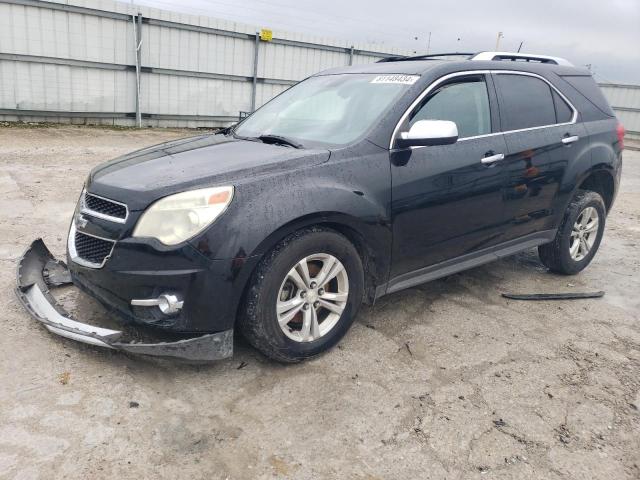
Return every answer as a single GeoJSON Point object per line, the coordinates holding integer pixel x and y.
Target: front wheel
{"type": "Point", "coordinates": [578, 237]}
{"type": "Point", "coordinates": [304, 295]}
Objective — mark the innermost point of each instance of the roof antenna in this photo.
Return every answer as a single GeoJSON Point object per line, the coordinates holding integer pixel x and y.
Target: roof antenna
{"type": "Point", "coordinates": [520, 46]}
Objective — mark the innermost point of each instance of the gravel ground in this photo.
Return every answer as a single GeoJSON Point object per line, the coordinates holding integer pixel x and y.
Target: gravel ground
{"type": "Point", "coordinates": [447, 380]}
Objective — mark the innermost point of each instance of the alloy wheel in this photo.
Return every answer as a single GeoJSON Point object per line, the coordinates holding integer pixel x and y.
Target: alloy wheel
{"type": "Point", "coordinates": [584, 234]}
{"type": "Point", "coordinates": [312, 297]}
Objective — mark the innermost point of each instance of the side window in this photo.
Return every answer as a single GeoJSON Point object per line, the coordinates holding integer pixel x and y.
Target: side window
{"type": "Point", "coordinates": [465, 102]}
{"type": "Point", "coordinates": [564, 114]}
{"type": "Point", "coordinates": [526, 102]}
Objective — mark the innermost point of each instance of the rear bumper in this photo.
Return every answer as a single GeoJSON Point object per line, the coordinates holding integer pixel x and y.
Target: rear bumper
{"type": "Point", "coordinates": [38, 270]}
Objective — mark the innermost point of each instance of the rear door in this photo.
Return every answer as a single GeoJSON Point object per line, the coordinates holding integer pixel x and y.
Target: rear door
{"type": "Point", "coordinates": [446, 201]}
{"type": "Point", "coordinates": [542, 138]}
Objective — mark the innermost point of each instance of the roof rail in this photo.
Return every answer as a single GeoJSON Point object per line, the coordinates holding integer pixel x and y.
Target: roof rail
{"type": "Point", "coordinates": [432, 56]}
{"type": "Point", "coordinates": [517, 56]}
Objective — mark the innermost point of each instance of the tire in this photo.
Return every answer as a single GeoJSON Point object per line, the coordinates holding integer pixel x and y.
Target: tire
{"type": "Point", "coordinates": [557, 255]}
{"type": "Point", "coordinates": [275, 285]}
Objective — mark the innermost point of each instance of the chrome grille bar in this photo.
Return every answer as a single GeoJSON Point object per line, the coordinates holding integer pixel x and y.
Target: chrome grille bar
{"type": "Point", "coordinates": [104, 208]}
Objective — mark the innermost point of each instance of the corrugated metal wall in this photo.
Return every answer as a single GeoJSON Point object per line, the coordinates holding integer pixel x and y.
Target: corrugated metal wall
{"type": "Point", "coordinates": [74, 61]}
{"type": "Point", "coordinates": [625, 101]}
{"type": "Point", "coordinates": [35, 32]}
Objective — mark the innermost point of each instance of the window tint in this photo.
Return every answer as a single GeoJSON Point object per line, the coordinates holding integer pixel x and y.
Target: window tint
{"type": "Point", "coordinates": [526, 102]}
{"type": "Point", "coordinates": [464, 102]}
{"type": "Point", "coordinates": [563, 111]}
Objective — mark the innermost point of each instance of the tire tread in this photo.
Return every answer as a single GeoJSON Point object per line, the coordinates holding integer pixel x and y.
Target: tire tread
{"type": "Point", "coordinates": [553, 255]}
{"type": "Point", "coordinates": [250, 321]}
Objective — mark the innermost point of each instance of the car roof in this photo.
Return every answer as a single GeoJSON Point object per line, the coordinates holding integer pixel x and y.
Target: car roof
{"type": "Point", "coordinates": [420, 67]}
{"type": "Point", "coordinates": [407, 67]}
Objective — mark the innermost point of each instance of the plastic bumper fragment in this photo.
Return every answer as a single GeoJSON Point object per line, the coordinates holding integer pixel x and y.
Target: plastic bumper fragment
{"type": "Point", "coordinates": [38, 271]}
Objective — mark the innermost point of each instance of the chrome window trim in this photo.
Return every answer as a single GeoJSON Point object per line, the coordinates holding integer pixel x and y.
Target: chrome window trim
{"type": "Point", "coordinates": [444, 78]}
{"type": "Point", "coordinates": [103, 216]}
{"type": "Point", "coordinates": [73, 253]}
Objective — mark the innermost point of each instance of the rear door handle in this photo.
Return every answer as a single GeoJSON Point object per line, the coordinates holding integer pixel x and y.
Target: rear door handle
{"type": "Point", "coordinates": [492, 159]}
{"type": "Point", "coordinates": [570, 140]}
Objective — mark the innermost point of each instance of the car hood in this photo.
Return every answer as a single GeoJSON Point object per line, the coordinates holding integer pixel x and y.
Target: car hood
{"type": "Point", "coordinates": [142, 177]}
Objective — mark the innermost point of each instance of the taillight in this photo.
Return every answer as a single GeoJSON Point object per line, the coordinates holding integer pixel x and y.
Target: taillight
{"type": "Point", "coordinates": [620, 132]}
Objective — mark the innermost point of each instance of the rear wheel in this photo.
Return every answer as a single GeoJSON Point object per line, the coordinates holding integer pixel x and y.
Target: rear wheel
{"type": "Point", "coordinates": [304, 295]}
{"type": "Point", "coordinates": [579, 235]}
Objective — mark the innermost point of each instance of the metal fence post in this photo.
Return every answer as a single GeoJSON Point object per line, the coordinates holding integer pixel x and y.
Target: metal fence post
{"type": "Point", "coordinates": [137, 35]}
{"type": "Point", "coordinates": [351, 56]}
{"type": "Point", "coordinates": [255, 72]}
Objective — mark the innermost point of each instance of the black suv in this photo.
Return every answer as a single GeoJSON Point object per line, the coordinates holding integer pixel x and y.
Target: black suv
{"type": "Point", "coordinates": [355, 183]}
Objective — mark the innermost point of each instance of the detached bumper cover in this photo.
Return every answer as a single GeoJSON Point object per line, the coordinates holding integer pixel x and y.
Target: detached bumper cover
{"type": "Point", "coordinates": [38, 270]}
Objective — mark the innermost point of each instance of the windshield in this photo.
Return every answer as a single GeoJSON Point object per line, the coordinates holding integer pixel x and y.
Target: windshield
{"type": "Point", "coordinates": [330, 110]}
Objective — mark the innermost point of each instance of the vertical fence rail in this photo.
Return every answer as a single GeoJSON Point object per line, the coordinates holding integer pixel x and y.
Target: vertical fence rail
{"type": "Point", "coordinates": [254, 84]}
{"type": "Point", "coordinates": [137, 34]}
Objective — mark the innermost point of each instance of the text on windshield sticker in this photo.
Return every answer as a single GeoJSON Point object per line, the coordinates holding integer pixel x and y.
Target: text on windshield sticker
{"type": "Point", "coordinates": [402, 79]}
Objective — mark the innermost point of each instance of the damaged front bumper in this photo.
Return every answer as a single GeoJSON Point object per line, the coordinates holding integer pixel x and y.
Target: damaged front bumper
{"type": "Point", "coordinates": [38, 271]}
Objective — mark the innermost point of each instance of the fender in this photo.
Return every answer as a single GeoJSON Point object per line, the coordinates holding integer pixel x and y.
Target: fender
{"type": "Point", "coordinates": [360, 188]}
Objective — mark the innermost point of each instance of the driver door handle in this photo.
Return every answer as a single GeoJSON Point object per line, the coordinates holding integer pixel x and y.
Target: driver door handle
{"type": "Point", "coordinates": [570, 140]}
{"type": "Point", "coordinates": [492, 159]}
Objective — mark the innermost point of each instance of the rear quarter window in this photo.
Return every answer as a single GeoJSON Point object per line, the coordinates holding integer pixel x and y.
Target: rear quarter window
{"type": "Point", "coordinates": [564, 114]}
{"type": "Point", "coordinates": [525, 102]}
{"type": "Point", "coordinates": [587, 86]}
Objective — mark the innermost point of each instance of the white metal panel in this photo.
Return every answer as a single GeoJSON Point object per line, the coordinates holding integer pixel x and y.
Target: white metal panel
{"type": "Point", "coordinates": [166, 94]}
{"type": "Point", "coordinates": [630, 120]}
{"type": "Point", "coordinates": [166, 47]}
{"type": "Point", "coordinates": [43, 32]}
{"type": "Point", "coordinates": [622, 95]}
{"type": "Point", "coordinates": [28, 30]}
{"type": "Point", "coordinates": [625, 101]}
{"type": "Point", "coordinates": [7, 84]}
{"type": "Point", "coordinates": [295, 63]}
{"type": "Point", "coordinates": [63, 88]}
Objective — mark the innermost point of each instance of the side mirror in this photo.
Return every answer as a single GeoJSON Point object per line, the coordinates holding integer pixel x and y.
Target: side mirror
{"type": "Point", "coordinates": [429, 132]}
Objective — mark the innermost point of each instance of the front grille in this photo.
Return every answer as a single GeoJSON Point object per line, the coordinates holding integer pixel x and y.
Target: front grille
{"type": "Point", "coordinates": [92, 249]}
{"type": "Point", "coordinates": [104, 206]}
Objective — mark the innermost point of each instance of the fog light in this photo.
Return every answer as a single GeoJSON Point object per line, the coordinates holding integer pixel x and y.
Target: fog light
{"type": "Point", "coordinates": [168, 303]}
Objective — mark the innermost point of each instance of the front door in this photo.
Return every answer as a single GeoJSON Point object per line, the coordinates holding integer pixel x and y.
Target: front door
{"type": "Point", "coordinates": [446, 201]}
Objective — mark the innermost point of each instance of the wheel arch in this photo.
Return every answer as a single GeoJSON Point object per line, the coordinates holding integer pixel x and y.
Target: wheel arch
{"type": "Point", "coordinates": [599, 178]}
{"type": "Point", "coordinates": [371, 247]}
{"type": "Point", "coordinates": [601, 181]}
{"type": "Point", "coordinates": [374, 248]}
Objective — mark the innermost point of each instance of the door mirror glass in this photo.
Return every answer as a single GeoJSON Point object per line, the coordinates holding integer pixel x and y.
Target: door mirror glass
{"type": "Point", "coordinates": [429, 132]}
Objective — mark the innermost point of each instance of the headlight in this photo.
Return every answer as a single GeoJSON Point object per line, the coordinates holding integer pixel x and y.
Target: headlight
{"type": "Point", "coordinates": [178, 217]}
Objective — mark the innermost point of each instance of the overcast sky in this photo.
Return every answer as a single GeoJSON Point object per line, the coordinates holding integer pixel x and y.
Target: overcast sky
{"type": "Point", "coordinates": [603, 33]}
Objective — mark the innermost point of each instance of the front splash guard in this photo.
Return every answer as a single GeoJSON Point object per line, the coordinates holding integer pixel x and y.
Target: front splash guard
{"type": "Point", "coordinates": [38, 270]}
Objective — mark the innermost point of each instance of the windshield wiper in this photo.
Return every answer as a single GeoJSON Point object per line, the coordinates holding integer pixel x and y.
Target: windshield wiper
{"type": "Point", "coordinates": [277, 139]}
{"type": "Point", "coordinates": [225, 131]}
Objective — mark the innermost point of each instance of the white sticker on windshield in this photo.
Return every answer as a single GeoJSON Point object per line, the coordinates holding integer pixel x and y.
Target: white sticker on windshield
{"type": "Point", "coordinates": [403, 79]}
